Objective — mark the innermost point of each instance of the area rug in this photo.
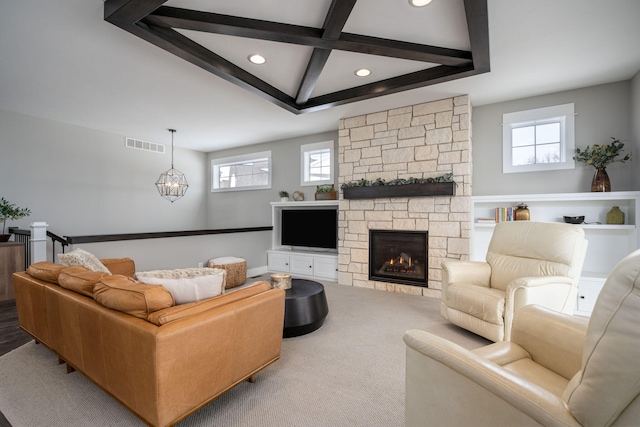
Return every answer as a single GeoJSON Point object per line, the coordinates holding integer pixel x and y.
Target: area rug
{"type": "Point", "coordinates": [350, 372]}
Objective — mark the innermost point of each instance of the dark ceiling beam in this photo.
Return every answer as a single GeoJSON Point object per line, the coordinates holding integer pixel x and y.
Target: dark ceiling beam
{"type": "Point", "coordinates": [478, 27]}
{"type": "Point", "coordinates": [127, 12]}
{"type": "Point", "coordinates": [415, 80]}
{"type": "Point", "coordinates": [305, 36]}
{"type": "Point", "coordinates": [174, 42]}
{"type": "Point", "coordinates": [334, 22]}
{"type": "Point", "coordinates": [156, 28]}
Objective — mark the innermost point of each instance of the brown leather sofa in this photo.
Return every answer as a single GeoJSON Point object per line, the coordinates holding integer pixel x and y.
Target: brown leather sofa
{"type": "Point", "coordinates": [162, 364]}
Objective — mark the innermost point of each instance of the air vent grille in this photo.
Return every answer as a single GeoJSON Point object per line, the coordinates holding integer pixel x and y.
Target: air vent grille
{"type": "Point", "coordinates": [144, 145]}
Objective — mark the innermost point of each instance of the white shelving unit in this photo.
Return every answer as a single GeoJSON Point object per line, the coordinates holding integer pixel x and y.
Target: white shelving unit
{"type": "Point", "coordinates": [301, 263]}
{"type": "Point", "coordinates": [608, 243]}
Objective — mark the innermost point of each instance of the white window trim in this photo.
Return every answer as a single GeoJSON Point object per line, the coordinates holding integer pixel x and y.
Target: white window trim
{"type": "Point", "coordinates": [564, 113]}
{"type": "Point", "coordinates": [216, 163]}
{"type": "Point", "coordinates": [313, 147]}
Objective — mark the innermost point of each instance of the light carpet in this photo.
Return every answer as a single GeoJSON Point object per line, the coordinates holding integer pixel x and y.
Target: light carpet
{"type": "Point", "coordinates": [350, 372]}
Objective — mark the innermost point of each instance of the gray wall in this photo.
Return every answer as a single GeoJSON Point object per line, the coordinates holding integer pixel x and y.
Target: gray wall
{"type": "Point", "coordinates": [83, 181]}
{"type": "Point", "coordinates": [252, 207]}
{"type": "Point", "coordinates": [635, 125]}
{"type": "Point", "coordinates": [602, 112]}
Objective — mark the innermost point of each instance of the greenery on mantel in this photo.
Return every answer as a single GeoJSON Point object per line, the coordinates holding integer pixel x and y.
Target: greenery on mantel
{"type": "Point", "coordinates": [447, 177]}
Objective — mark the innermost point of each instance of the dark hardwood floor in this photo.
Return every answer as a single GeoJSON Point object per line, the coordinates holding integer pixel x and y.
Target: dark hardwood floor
{"type": "Point", "coordinates": [11, 336]}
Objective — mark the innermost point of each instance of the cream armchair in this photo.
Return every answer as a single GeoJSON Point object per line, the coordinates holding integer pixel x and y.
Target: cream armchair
{"type": "Point", "coordinates": [558, 370]}
{"type": "Point", "coordinates": [526, 263]}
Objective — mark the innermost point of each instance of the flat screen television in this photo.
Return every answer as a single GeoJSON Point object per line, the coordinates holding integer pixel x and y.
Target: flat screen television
{"type": "Point", "coordinates": [312, 228]}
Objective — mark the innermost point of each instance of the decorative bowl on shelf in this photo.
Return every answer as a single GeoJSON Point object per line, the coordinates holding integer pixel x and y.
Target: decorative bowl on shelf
{"type": "Point", "coordinates": [574, 219]}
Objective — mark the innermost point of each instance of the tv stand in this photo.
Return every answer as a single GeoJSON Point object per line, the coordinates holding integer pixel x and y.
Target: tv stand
{"type": "Point", "coordinates": [304, 263]}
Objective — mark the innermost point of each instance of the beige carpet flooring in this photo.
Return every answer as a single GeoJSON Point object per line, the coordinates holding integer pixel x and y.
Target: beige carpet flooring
{"type": "Point", "coordinates": [350, 372]}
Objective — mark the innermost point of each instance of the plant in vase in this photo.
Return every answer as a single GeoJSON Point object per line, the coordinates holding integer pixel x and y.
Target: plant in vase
{"type": "Point", "coordinates": [10, 211]}
{"type": "Point", "coordinates": [284, 196]}
{"type": "Point", "coordinates": [600, 156]}
{"type": "Point", "coordinates": [325, 192]}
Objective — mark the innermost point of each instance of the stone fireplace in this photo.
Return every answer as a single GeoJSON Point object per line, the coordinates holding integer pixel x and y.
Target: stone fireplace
{"type": "Point", "coordinates": [420, 141]}
{"type": "Point", "coordinates": [398, 256]}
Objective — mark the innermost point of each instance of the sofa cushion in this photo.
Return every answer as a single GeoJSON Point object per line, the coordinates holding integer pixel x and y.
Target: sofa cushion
{"type": "Point", "coordinates": [80, 279]}
{"type": "Point", "coordinates": [123, 266]}
{"type": "Point", "coordinates": [79, 257]}
{"type": "Point", "coordinates": [124, 294]}
{"type": "Point", "coordinates": [178, 312]}
{"type": "Point", "coordinates": [187, 284]}
{"type": "Point", "coordinates": [45, 270]}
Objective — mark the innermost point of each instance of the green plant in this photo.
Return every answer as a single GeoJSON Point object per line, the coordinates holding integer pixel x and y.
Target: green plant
{"type": "Point", "coordinates": [323, 188]}
{"type": "Point", "coordinates": [283, 194]}
{"type": "Point", "coordinates": [599, 156]}
{"type": "Point", "coordinates": [11, 211]}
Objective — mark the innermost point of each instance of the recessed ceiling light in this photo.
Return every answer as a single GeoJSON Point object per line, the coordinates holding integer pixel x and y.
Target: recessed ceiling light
{"type": "Point", "coordinates": [362, 72]}
{"type": "Point", "coordinates": [256, 59]}
{"type": "Point", "coordinates": [419, 3]}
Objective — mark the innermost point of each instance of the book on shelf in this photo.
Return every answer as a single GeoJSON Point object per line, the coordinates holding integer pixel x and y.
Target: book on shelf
{"type": "Point", "coordinates": [504, 214]}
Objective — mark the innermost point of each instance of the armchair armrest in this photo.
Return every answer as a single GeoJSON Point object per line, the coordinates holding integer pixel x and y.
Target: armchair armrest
{"type": "Point", "coordinates": [553, 340]}
{"type": "Point", "coordinates": [558, 293]}
{"type": "Point", "coordinates": [470, 272]}
{"type": "Point", "coordinates": [449, 385]}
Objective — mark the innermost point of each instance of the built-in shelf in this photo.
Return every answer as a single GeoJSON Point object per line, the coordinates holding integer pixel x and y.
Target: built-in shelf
{"type": "Point", "coordinates": [320, 264]}
{"type": "Point", "coordinates": [608, 243]}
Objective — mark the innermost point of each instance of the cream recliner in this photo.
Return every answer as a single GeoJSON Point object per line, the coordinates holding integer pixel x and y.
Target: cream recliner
{"type": "Point", "coordinates": [558, 369]}
{"type": "Point", "coordinates": [526, 263]}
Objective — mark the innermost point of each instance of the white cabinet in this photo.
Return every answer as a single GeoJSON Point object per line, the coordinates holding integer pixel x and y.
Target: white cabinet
{"type": "Point", "coordinates": [608, 243]}
{"type": "Point", "coordinates": [303, 264]}
{"type": "Point", "coordinates": [299, 264]}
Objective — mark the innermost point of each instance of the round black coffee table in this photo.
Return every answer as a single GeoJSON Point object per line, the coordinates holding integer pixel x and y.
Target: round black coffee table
{"type": "Point", "coordinates": [305, 307]}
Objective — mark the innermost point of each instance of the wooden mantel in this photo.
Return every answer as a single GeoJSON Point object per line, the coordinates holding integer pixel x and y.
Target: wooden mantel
{"type": "Point", "coordinates": [406, 190]}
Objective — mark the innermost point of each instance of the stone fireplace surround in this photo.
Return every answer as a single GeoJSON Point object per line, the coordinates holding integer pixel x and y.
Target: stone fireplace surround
{"type": "Point", "coordinates": [420, 141]}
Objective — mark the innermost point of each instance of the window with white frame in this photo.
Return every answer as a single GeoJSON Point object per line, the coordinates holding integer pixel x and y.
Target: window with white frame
{"type": "Point", "coordinates": [538, 140]}
{"type": "Point", "coordinates": [244, 172]}
{"type": "Point", "coordinates": [316, 164]}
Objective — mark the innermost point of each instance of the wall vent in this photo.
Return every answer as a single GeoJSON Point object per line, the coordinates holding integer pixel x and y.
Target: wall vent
{"type": "Point", "coordinates": [144, 145]}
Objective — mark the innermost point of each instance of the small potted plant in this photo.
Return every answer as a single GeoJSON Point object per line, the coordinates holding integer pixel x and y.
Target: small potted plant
{"type": "Point", "coordinates": [284, 196]}
{"type": "Point", "coordinates": [600, 156]}
{"type": "Point", "coordinates": [10, 211]}
{"type": "Point", "coordinates": [325, 192]}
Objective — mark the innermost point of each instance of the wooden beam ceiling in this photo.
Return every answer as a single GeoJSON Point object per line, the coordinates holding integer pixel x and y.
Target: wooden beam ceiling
{"type": "Point", "coordinates": [151, 21]}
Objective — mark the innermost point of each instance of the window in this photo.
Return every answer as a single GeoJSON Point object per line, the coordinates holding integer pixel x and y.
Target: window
{"type": "Point", "coordinates": [316, 163]}
{"type": "Point", "coordinates": [246, 172]}
{"type": "Point", "coordinates": [538, 140]}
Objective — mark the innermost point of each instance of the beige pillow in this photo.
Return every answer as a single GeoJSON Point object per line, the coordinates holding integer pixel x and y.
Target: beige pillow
{"type": "Point", "coordinates": [187, 284]}
{"type": "Point", "coordinates": [124, 294]}
{"type": "Point", "coordinates": [79, 257]}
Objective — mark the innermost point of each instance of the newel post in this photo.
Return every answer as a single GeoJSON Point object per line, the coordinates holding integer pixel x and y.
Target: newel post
{"type": "Point", "coordinates": [38, 241]}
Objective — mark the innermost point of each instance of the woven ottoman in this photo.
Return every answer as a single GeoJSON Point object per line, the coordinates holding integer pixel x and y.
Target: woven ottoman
{"type": "Point", "coordinates": [236, 269]}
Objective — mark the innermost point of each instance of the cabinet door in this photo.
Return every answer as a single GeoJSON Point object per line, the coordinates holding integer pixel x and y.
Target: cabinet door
{"type": "Point", "coordinates": [301, 265]}
{"type": "Point", "coordinates": [326, 268]}
{"type": "Point", "coordinates": [278, 262]}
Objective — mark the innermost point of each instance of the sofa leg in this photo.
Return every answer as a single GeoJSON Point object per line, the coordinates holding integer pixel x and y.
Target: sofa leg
{"type": "Point", "coordinates": [252, 379]}
{"type": "Point", "coordinates": [60, 361]}
{"type": "Point", "coordinates": [70, 369]}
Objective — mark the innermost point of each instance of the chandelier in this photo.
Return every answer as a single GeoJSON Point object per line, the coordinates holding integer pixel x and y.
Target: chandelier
{"type": "Point", "coordinates": [172, 184]}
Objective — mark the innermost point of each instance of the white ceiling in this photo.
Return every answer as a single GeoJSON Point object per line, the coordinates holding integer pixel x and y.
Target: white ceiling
{"type": "Point", "coordinates": [61, 61]}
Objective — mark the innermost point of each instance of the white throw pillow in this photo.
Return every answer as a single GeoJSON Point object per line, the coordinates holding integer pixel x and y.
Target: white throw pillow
{"type": "Point", "coordinates": [187, 284]}
{"type": "Point", "coordinates": [79, 257]}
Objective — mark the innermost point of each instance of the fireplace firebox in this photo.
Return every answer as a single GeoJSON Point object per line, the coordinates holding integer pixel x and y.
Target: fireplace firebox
{"type": "Point", "coordinates": [398, 257]}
